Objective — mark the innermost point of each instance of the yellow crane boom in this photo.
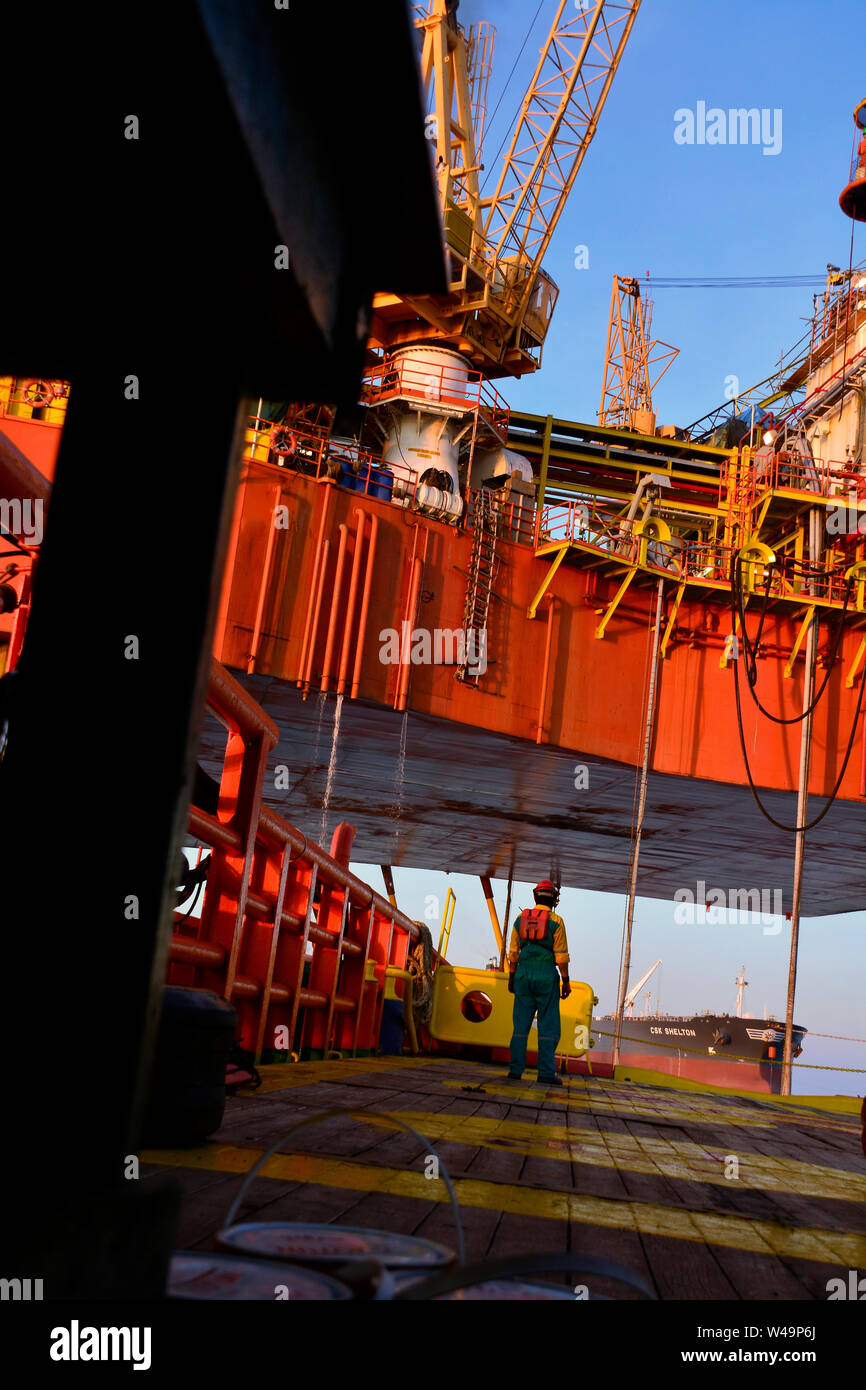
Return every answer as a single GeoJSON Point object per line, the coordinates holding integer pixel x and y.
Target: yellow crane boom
{"type": "Point", "coordinates": [500, 300]}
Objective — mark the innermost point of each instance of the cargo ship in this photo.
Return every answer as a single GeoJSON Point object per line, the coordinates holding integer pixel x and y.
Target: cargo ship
{"type": "Point", "coordinates": [720, 1049]}
{"type": "Point", "coordinates": [730, 1050]}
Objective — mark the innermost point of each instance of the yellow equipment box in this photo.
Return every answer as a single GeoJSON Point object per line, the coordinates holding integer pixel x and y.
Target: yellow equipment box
{"type": "Point", "coordinates": [474, 1006]}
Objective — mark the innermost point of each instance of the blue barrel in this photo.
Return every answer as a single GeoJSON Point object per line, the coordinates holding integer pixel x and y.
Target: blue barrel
{"type": "Point", "coordinates": [381, 483]}
{"type": "Point", "coordinates": [349, 479]}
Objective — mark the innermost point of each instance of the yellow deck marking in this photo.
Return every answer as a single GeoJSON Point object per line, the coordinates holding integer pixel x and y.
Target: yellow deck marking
{"type": "Point", "coordinates": [595, 1094]}
{"type": "Point", "coordinates": [633, 1103]}
{"type": "Point", "coordinates": [663, 1157]}
{"type": "Point", "coordinates": [846, 1249]}
{"type": "Point", "coordinates": [627, 1105]}
{"type": "Point", "coordinates": [646, 1076]}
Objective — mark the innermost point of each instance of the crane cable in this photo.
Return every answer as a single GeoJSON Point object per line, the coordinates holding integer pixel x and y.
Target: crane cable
{"type": "Point", "coordinates": [736, 282]}
{"type": "Point", "coordinates": [634, 834]}
{"type": "Point", "coordinates": [810, 825]}
{"type": "Point", "coordinates": [502, 94]}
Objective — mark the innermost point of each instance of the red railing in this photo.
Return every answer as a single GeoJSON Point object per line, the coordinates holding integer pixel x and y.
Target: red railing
{"type": "Point", "coordinates": [767, 471]}
{"type": "Point", "coordinates": [785, 470]}
{"type": "Point", "coordinates": [516, 515]}
{"type": "Point", "coordinates": [436, 384]}
{"type": "Point", "coordinates": [302, 449]}
{"type": "Point", "coordinates": [274, 903]}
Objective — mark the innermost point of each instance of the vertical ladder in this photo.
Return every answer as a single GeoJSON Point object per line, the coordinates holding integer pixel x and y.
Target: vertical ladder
{"type": "Point", "coordinates": [479, 586]}
{"type": "Point", "coordinates": [736, 497]}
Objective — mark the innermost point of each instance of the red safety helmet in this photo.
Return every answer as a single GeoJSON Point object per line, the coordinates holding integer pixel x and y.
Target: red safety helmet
{"type": "Point", "coordinates": [545, 886]}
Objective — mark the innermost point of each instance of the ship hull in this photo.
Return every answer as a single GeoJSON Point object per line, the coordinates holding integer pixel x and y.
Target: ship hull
{"type": "Point", "coordinates": [741, 1053]}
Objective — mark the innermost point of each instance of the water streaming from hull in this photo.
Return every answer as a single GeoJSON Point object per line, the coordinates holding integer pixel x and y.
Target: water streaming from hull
{"type": "Point", "coordinates": [332, 769]}
{"type": "Point", "coordinates": [396, 811]}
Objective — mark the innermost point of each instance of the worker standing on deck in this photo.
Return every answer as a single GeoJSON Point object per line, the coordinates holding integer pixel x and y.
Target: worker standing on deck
{"type": "Point", "coordinates": [538, 949]}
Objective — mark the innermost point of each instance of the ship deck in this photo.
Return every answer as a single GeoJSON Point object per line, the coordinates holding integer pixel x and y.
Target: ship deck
{"type": "Point", "coordinates": [632, 1173]}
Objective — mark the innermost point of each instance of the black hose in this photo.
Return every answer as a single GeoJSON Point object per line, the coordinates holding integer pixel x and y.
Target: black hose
{"type": "Point", "coordinates": [750, 649]}
{"type": "Point", "coordinates": [810, 825]}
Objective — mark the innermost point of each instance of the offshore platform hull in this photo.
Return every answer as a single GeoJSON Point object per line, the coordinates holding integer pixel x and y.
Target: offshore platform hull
{"type": "Point", "coordinates": [534, 762]}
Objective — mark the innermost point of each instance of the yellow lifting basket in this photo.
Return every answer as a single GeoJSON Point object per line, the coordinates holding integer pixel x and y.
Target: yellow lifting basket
{"type": "Point", "coordinates": [474, 1006]}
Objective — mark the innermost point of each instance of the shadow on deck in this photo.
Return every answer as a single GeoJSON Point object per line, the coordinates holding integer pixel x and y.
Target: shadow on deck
{"type": "Point", "coordinates": [631, 1173]}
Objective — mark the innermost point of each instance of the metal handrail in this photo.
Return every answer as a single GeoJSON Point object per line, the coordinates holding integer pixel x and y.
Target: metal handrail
{"type": "Point", "coordinates": [450, 901]}
{"type": "Point", "coordinates": [265, 873]}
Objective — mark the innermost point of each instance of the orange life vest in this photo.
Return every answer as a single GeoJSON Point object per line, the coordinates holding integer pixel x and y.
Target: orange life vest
{"type": "Point", "coordinates": [533, 924]}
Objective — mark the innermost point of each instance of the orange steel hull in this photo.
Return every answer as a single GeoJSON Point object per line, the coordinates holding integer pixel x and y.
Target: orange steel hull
{"type": "Point", "coordinates": [554, 696]}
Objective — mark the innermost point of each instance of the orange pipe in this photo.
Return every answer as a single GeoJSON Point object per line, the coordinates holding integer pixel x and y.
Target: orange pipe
{"type": "Point", "coordinates": [229, 571]}
{"type": "Point", "coordinates": [544, 679]}
{"type": "Point", "coordinates": [408, 610]}
{"type": "Point", "coordinates": [326, 506]}
{"type": "Point", "coordinates": [266, 575]}
{"type": "Point", "coordinates": [365, 604]}
{"type": "Point", "coordinates": [353, 598]}
{"type": "Point", "coordinates": [314, 631]}
{"type": "Point", "coordinates": [418, 563]}
{"type": "Point", "coordinates": [403, 684]}
{"type": "Point", "coordinates": [335, 603]}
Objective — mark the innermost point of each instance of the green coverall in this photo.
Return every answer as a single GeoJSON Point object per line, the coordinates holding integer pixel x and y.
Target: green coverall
{"type": "Point", "coordinates": [536, 989]}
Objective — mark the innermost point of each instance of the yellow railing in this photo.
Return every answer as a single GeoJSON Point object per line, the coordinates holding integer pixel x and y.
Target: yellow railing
{"type": "Point", "coordinates": [447, 919]}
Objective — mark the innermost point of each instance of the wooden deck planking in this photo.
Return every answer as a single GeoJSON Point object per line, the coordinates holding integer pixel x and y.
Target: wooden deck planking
{"type": "Point", "coordinates": [686, 1269]}
{"type": "Point", "coordinates": [395, 1149]}
{"type": "Point", "coordinates": [814, 1276]}
{"type": "Point", "coordinates": [479, 1225]}
{"type": "Point", "coordinates": [594, 1179]}
{"type": "Point", "coordinates": [621, 1247]}
{"type": "Point", "coordinates": [761, 1276]}
{"type": "Point", "coordinates": [663, 1131]}
{"type": "Point", "coordinates": [384, 1212]}
{"type": "Point", "coordinates": [642, 1187]}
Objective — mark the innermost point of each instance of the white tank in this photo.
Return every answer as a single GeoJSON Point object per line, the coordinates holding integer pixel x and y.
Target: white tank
{"type": "Point", "coordinates": [415, 444]}
{"type": "Point", "coordinates": [432, 374]}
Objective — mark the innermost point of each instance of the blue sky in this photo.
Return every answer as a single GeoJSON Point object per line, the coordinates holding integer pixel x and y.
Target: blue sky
{"type": "Point", "coordinates": [642, 202]}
